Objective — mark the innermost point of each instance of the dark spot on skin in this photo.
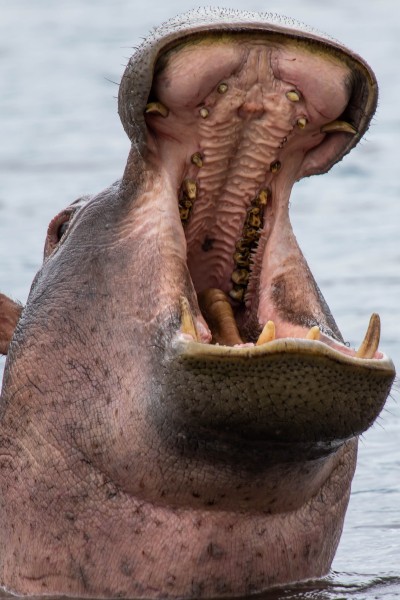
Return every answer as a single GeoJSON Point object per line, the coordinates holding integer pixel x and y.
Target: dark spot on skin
{"type": "Point", "coordinates": [215, 551]}
{"type": "Point", "coordinates": [208, 244]}
{"type": "Point", "coordinates": [195, 495]}
{"type": "Point", "coordinates": [126, 568]}
{"type": "Point", "coordinates": [70, 516]}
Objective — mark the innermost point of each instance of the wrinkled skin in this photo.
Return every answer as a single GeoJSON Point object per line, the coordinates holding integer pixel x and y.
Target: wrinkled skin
{"type": "Point", "coordinates": [149, 447]}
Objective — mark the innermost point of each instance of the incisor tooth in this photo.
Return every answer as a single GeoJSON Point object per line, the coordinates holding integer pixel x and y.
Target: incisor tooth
{"type": "Point", "coordinates": [156, 108]}
{"type": "Point", "coordinates": [340, 126]}
{"type": "Point", "coordinates": [314, 333]}
{"type": "Point", "coordinates": [187, 323]}
{"type": "Point", "coordinates": [267, 334]}
{"type": "Point", "coordinates": [371, 341]}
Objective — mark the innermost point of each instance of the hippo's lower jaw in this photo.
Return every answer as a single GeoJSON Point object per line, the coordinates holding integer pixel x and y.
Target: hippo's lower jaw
{"type": "Point", "coordinates": [179, 414]}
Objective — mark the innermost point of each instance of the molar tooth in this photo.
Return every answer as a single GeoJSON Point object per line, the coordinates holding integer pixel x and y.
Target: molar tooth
{"type": "Point", "coordinates": [237, 293]}
{"type": "Point", "coordinates": [156, 108]}
{"type": "Point", "coordinates": [267, 334]}
{"type": "Point", "coordinates": [314, 333]}
{"type": "Point", "coordinates": [371, 341]}
{"type": "Point", "coordinates": [302, 122]}
{"type": "Point", "coordinates": [275, 166]}
{"type": "Point", "coordinates": [293, 96]}
{"type": "Point", "coordinates": [242, 245]}
{"type": "Point", "coordinates": [184, 213]}
{"type": "Point", "coordinates": [187, 323]}
{"type": "Point", "coordinates": [190, 188]}
{"type": "Point", "coordinates": [204, 112]}
{"type": "Point", "coordinates": [341, 126]}
{"type": "Point", "coordinates": [240, 276]}
{"type": "Point", "coordinates": [222, 88]}
{"type": "Point", "coordinates": [253, 220]}
{"type": "Point", "coordinates": [262, 197]}
{"type": "Point", "coordinates": [242, 259]}
{"type": "Point", "coordinates": [250, 235]}
{"type": "Point", "coordinates": [197, 159]}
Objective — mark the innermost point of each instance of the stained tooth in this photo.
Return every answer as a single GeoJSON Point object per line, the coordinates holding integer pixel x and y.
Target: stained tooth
{"type": "Point", "coordinates": [156, 108]}
{"type": "Point", "coordinates": [184, 213]}
{"type": "Point", "coordinates": [314, 333]}
{"type": "Point", "coordinates": [218, 313]}
{"type": "Point", "coordinates": [262, 197]}
{"type": "Point", "coordinates": [341, 126]}
{"type": "Point", "coordinates": [371, 341]}
{"type": "Point", "coordinates": [237, 293]}
{"type": "Point", "coordinates": [204, 112]}
{"type": "Point", "coordinates": [197, 159]}
{"type": "Point", "coordinates": [292, 96]}
{"type": "Point", "coordinates": [253, 218]}
{"type": "Point", "coordinates": [190, 188]}
{"type": "Point", "coordinates": [242, 245]}
{"type": "Point", "coordinates": [187, 323]}
{"type": "Point", "coordinates": [302, 122]}
{"type": "Point", "coordinates": [240, 276]}
{"type": "Point", "coordinates": [250, 235]}
{"type": "Point", "coordinates": [275, 166]}
{"type": "Point", "coordinates": [242, 259]}
{"type": "Point", "coordinates": [267, 334]}
{"type": "Point", "coordinates": [222, 88]}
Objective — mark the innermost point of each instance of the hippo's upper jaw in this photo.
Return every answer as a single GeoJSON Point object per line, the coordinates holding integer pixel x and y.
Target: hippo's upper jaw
{"type": "Point", "coordinates": [179, 412]}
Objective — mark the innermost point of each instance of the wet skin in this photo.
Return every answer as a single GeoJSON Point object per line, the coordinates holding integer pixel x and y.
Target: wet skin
{"type": "Point", "coordinates": [179, 414]}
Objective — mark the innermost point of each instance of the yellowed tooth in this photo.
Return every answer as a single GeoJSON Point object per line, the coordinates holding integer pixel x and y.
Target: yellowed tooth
{"type": "Point", "coordinates": [267, 334]}
{"type": "Point", "coordinates": [204, 112]}
{"type": "Point", "coordinates": [156, 108]}
{"type": "Point", "coordinates": [275, 166]}
{"type": "Point", "coordinates": [339, 126]}
{"type": "Point", "coordinates": [187, 323]}
{"type": "Point", "coordinates": [237, 293]}
{"type": "Point", "coordinates": [262, 197]}
{"type": "Point", "coordinates": [240, 276]}
{"type": "Point", "coordinates": [222, 88]}
{"type": "Point", "coordinates": [302, 122]}
{"type": "Point", "coordinates": [197, 160]}
{"type": "Point", "coordinates": [293, 96]}
{"type": "Point", "coordinates": [371, 341]}
{"type": "Point", "coordinates": [314, 333]}
{"type": "Point", "coordinates": [190, 188]}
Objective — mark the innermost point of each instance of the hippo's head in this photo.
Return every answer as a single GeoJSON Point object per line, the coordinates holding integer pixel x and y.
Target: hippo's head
{"type": "Point", "coordinates": [179, 411]}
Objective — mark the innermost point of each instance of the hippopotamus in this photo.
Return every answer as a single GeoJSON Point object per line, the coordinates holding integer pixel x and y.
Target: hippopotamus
{"type": "Point", "coordinates": [180, 412]}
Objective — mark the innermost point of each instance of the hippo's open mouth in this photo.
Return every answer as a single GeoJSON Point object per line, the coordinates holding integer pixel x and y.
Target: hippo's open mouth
{"type": "Point", "coordinates": [242, 118]}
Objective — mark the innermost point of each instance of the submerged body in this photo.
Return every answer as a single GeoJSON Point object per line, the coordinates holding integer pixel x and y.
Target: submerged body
{"type": "Point", "coordinates": [179, 415]}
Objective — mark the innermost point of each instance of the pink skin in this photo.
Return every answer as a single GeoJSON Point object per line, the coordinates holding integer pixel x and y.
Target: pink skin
{"type": "Point", "coordinates": [117, 478]}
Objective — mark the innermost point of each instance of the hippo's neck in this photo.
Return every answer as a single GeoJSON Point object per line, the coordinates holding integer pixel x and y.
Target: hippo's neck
{"type": "Point", "coordinates": [66, 526]}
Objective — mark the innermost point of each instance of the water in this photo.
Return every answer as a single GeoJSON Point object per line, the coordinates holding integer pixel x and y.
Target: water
{"type": "Point", "coordinates": [61, 137]}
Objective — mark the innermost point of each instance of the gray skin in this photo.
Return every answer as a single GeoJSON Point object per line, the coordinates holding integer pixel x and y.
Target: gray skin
{"type": "Point", "coordinates": [137, 458]}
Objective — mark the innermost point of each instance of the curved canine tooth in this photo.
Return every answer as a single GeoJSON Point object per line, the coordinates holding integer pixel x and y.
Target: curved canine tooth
{"type": "Point", "coordinates": [218, 313]}
{"type": "Point", "coordinates": [187, 323]}
{"type": "Point", "coordinates": [371, 341]}
{"type": "Point", "coordinates": [341, 126]}
{"type": "Point", "coordinates": [197, 160]}
{"type": "Point", "coordinates": [314, 333]}
{"type": "Point", "coordinates": [293, 96]}
{"type": "Point", "coordinates": [156, 108]}
{"type": "Point", "coordinates": [190, 188]}
{"type": "Point", "coordinates": [267, 334]}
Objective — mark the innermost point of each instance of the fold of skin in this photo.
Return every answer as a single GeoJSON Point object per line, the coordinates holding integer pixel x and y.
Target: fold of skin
{"type": "Point", "coordinates": [138, 458]}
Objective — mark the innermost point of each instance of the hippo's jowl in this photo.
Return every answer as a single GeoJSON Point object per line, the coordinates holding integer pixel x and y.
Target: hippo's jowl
{"type": "Point", "coordinates": [179, 414]}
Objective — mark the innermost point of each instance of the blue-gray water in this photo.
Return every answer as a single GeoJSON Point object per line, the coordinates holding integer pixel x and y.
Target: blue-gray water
{"type": "Point", "coordinates": [61, 137]}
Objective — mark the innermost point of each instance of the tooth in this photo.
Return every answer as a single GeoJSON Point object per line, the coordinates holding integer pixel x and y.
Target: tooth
{"type": "Point", "coordinates": [275, 166]}
{"type": "Point", "coordinates": [184, 213]}
{"type": "Point", "coordinates": [302, 122]}
{"type": "Point", "coordinates": [371, 341]}
{"type": "Point", "coordinates": [253, 218]}
{"type": "Point", "coordinates": [267, 334]}
{"type": "Point", "coordinates": [341, 126]}
{"type": "Point", "coordinates": [156, 108]}
{"type": "Point", "coordinates": [218, 313]}
{"type": "Point", "coordinates": [190, 188]}
{"type": "Point", "coordinates": [314, 333]}
{"type": "Point", "coordinates": [222, 88]}
{"type": "Point", "coordinates": [204, 112]}
{"type": "Point", "coordinates": [242, 259]}
{"type": "Point", "coordinates": [292, 96]}
{"type": "Point", "coordinates": [187, 323]}
{"type": "Point", "coordinates": [262, 197]}
{"type": "Point", "coordinates": [197, 159]}
{"type": "Point", "coordinates": [237, 293]}
{"type": "Point", "coordinates": [240, 276]}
